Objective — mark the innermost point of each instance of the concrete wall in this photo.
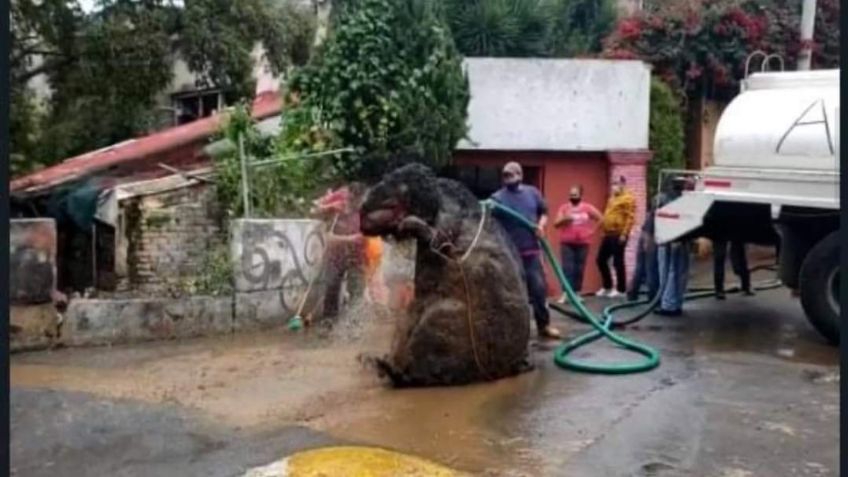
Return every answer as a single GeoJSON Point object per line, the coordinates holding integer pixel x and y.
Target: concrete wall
{"type": "Point", "coordinates": [274, 261]}
{"type": "Point", "coordinates": [99, 322]}
{"type": "Point", "coordinates": [32, 261]}
{"type": "Point", "coordinates": [557, 105]}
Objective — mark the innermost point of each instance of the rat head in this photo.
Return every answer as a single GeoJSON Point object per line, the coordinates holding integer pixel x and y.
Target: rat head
{"type": "Point", "coordinates": [408, 191]}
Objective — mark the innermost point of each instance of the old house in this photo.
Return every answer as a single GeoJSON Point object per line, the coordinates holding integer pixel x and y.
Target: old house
{"type": "Point", "coordinates": [126, 213]}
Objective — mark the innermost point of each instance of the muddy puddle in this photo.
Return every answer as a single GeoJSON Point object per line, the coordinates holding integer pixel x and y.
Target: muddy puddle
{"type": "Point", "coordinates": [269, 380]}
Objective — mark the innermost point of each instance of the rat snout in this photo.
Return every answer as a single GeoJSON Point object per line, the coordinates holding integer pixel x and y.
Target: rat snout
{"type": "Point", "coordinates": [376, 221]}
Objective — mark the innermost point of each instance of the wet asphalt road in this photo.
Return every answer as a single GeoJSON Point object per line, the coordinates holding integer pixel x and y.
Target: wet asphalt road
{"type": "Point", "coordinates": [77, 434]}
{"type": "Point", "coordinates": [746, 388]}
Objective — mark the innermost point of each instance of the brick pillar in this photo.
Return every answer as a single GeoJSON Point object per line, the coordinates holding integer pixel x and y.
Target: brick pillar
{"type": "Point", "coordinates": [633, 165]}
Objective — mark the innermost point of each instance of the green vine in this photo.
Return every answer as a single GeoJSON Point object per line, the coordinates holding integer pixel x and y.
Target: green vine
{"type": "Point", "coordinates": [283, 186]}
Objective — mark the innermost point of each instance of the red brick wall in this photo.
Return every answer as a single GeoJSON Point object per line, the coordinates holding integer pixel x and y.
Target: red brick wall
{"type": "Point", "coordinates": [633, 166]}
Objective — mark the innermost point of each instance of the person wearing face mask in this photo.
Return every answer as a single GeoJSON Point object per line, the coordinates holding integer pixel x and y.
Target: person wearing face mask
{"type": "Point", "coordinates": [528, 201]}
{"type": "Point", "coordinates": [616, 224]}
{"type": "Point", "coordinates": [576, 221]}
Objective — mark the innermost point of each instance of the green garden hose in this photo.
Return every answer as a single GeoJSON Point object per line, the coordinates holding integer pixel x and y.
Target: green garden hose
{"type": "Point", "coordinates": [561, 354]}
{"type": "Point", "coordinates": [603, 328]}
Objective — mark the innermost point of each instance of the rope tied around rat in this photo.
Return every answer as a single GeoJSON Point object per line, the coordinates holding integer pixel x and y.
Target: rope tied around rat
{"type": "Point", "coordinates": [437, 249]}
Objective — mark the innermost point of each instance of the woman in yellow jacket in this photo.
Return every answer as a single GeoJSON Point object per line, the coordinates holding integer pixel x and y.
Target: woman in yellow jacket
{"type": "Point", "coordinates": [616, 224]}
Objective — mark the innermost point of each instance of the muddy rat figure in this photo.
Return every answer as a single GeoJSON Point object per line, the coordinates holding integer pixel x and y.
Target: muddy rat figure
{"type": "Point", "coordinates": [470, 319]}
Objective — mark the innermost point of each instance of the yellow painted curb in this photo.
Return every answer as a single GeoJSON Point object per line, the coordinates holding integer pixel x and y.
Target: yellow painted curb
{"type": "Point", "coordinates": [353, 462]}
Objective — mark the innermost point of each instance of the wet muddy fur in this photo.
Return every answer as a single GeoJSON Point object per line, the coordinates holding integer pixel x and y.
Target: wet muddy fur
{"type": "Point", "coordinates": [434, 344]}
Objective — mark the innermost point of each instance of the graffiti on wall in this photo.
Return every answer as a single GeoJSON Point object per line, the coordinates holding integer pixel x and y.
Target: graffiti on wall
{"type": "Point", "coordinates": [277, 255]}
{"type": "Point", "coordinates": [32, 260]}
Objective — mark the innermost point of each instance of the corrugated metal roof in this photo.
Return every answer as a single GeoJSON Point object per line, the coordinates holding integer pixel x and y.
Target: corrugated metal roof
{"type": "Point", "coordinates": [265, 105]}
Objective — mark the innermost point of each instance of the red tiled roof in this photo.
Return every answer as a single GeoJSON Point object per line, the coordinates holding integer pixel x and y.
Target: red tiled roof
{"type": "Point", "coordinates": [264, 105]}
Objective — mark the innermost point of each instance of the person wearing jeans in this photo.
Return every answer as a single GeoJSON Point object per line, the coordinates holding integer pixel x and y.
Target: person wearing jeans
{"type": "Point", "coordinates": [616, 224]}
{"type": "Point", "coordinates": [528, 201]}
{"type": "Point", "coordinates": [576, 221]}
{"type": "Point", "coordinates": [673, 261]}
{"type": "Point", "coordinates": [647, 269]}
{"type": "Point", "coordinates": [674, 273]}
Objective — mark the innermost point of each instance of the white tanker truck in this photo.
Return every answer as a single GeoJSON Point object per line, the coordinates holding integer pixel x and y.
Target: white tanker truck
{"type": "Point", "coordinates": [776, 169]}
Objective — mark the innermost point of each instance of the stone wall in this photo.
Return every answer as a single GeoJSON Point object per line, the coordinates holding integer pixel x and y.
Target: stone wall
{"type": "Point", "coordinates": [166, 238]}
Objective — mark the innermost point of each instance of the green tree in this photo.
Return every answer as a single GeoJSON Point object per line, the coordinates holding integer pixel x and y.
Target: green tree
{"type": "Point", "coordinates": [530, 28]}
{"type": "Point", "coordinates": [217, 36]}
{"type": "Point", "coordinates": [666, 136]}
{"type": "Point", "coordinates": [500, 28]}
{"type": "Point", "coordinates": [579, 26]}
{"type": "Point", "coordinates": [106, 67]}
{"type": "Point", "coordinates": [388, 83]}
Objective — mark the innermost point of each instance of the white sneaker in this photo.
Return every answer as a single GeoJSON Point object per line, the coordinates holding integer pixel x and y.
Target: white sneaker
{"type": "Point", "coordinates": [603, 292]}
{"type": "Point", "coordinates": [614, 294]}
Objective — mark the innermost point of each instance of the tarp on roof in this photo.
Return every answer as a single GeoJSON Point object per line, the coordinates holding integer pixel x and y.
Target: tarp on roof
{"type": "Point", "coordinates": [75, 205]}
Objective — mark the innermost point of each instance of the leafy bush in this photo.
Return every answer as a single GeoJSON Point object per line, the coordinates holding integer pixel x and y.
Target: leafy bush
{"type": "Point", "coordinates": [579, 26]}
{"type": "Point", "coordinates": [666, 133]}
{"type": "Point", "coordinates": [388, 83]}
{"type": "Point", "coordinates": [703, 49]}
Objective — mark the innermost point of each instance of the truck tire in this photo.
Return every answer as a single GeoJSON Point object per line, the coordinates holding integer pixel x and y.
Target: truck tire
{"type": "Point", "coordinates": [819, 284]}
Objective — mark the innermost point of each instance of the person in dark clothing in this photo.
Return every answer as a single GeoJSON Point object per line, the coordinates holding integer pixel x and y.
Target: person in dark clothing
{"type": "Point", "coordinates": [528, 201]}
{"type": "Point", "coordinates": [647, 267]}
{"type": "Point", "coordinates": [738, 261]}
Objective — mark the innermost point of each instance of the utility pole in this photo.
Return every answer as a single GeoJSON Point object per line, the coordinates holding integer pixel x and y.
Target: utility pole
{"type": "Point", "coordinates": [808, 23]}
{"type": "Point", "coordinates": [245, 188]}
{"type": "Point", "coordinates": [323, 9]}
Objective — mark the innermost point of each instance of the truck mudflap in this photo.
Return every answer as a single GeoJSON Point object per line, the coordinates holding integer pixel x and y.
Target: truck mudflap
{"type": "Point", "coordinates": [681, 216]}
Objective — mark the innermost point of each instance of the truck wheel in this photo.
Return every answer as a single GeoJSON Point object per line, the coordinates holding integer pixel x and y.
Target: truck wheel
{"type": "Point", "coordinates": [819, 281]}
